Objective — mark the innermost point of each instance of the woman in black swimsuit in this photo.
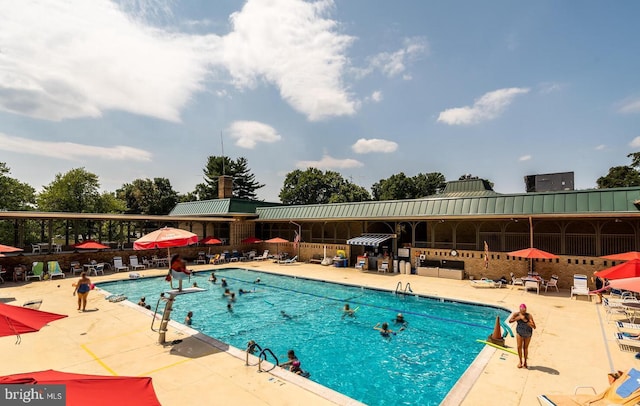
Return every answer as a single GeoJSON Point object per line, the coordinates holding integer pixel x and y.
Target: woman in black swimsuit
{"type": "Point", "coordinates": [524, 331]}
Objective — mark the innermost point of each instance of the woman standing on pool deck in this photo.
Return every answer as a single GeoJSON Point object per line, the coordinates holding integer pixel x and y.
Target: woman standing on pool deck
{"type": "Point", "coordinates": [83, 286]}
{"type": "Point", "coordinates": [524, 331]}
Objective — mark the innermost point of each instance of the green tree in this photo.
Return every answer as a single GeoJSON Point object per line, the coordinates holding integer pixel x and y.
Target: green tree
{"type": "Point", "coordinates": [75, 191]}
{"type": "Point", "coordinates": [622, 176]}
{"type": "Point", "coordinates": [244, 182]}
{"type": "Point", "coordinates": [399, 186]}
{"type": "Point", "coordinates": [146, 196]}
{"type": "Point", "coordinates": [15, 194]}
{"type": "Point", "coordinates": [313, 186]}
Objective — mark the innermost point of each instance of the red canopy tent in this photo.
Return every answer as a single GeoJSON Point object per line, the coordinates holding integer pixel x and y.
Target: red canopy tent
{"type": "Point", "coordinates": [94, 390]}
{"type": "Point", "coordinates": [16, 320]}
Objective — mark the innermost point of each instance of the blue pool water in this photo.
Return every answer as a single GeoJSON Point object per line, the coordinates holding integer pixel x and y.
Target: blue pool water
{"type": "Point", "coordinates": [416, 366]}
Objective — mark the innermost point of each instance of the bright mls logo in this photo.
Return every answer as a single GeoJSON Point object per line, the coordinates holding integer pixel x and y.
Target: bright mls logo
{"type": "Point", "coordinates": [33, 395]}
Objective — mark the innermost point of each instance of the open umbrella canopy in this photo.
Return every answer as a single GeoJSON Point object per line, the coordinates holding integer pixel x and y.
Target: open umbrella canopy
{"type": "Point", "coordinates": [165, 237]}
{"type": "Point", "coordinates": [532, 253]}
{"type": "Point", "coordinates": [623, 256]}
{"type": "Point", "coordinates": [94, 390]}
{"type": "Point", "coordinates": [276, 240]}
{"type": "Point", "coordinates": [9, 248]}
{"type": "Point", "coordinates": [632, 284]}
{"type": "Point", "coordinates": [251, 240]}
{"type": "Point", "coordinates": [210, 241]}
{"type": "Point", "coordinates": [16, 320]}
{"type": "Point", "coordinates": [90, 245]}
{"type": "Point", "coordinates": [629, 269]}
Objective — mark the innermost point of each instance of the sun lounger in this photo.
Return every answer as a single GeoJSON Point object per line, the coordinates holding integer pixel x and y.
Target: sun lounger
{"type": "Point", "coordinates": [288, 261]}
{"type": "Point", "coordinates": [54, 270]}
{"type": "Point", "coordinates": [627, 326]}
{"type": "Point", "coordinates": [486, 283]}
{"type": "Point", "coordinates": [628, 344]}
{"type": "Point", "coordinates": [623, 391]}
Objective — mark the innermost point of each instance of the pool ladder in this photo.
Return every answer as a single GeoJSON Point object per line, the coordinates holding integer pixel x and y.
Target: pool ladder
{"type": "Point", "coordinates": [262, 356]}
{"type": "Point", "coordinates": [166, 316]}
{"type": "Point", "coordinates": [407, 287]}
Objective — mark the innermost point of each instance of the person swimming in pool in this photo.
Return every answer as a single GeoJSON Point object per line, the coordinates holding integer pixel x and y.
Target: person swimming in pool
{"type": "Point", "coordinates": [286, 315]}
{"type": "Point", "coordinates": [348, 311]}
{"type": "Point", "coordinates": [213, 278]}
{"type": "Point", "coordinates": [226, 292]}
{"type": "Point", "coordinates": [223, 283]}
{"type": "Point", "coordinates": [242, 291]}
{"type": "Point", "coordinates": [384, 330]}
{"type": "Point", "coordinates": [400, 320]}
{"type": "Point", "coordinates": [293, 363]}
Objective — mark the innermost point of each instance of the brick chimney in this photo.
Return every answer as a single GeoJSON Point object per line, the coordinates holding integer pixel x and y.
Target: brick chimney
{"type": "Point", "coordinates": [225, 187]}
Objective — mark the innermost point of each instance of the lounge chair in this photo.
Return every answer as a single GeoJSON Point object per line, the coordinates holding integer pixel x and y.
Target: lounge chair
{"type": "Point", "coordinates": [75, 267]}
{"type": "Point", "coordinates": [289, 261]}
{"type": "Point", "coordinates": [486, 283]}
{"type": "Point", "coordinates": [96, 268]}
{"type": "Point", "coordinates": [221, 259]}
{"type": "Point", "coordinates": [627, 326]}
{"type": "Point", "coordinates": [264, 256]}
{"type": "Point", "coordinates": [37, 270]}
{"type": "Point", "coordinates": [623, 391]}
{"type": "Point", "coordinates": [118, 265]}
{"type": "Point", "coordinates": [202, 259]}
{"type": "Point", "coordinates": [54, 269]}
{"type": "Point", "coordinates": [628, 344]}
{"type": "Point", "coordinates": [516, 281]}
{"type": "Point", "coordinates": [361, 264]}
{"type": "Point", "coordinates": [214, 259]}
{"type": "Point", "coordinates": [552, 283]}
{"type": "Point", "coordinates": [35, 248]}
{"type": "Point", "coordinates": [534, 285]}
{"type": "Point", "coordinates": [384, 267]}
{"type": "Point", "coordinates": [579, 286]}
{"type": "Point", "coordinates": [235, 256]}
{"type": "Point", "coordinates": [134, 264]}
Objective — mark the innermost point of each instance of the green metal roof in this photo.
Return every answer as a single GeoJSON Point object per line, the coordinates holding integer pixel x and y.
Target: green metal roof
{"type": "Point", "coordinates": [468, 187]}
{"type": "Point", "coordinates": [218, 207]}
{"type": "Point", "coordinates": [620, 200]}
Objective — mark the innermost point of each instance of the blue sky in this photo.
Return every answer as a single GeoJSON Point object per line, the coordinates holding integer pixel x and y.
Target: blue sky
{"type": "Point", "coordinates": [369, 88]}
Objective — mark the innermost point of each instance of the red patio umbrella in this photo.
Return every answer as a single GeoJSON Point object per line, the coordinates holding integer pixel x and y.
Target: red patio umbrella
{"type": "Point", "coordinates": [90, 245]}
{"type": "Point", "coordinates": [623, 256]}
{"type": "Point", "coordinates": [8, 249]}
{"type": "Point", "coordinates": [532, 253]}
{"type": "Point", "coordinates": [165, 237]}
{"type": "Point", "coordinates": [16, 320]}
{"type": "Point", "coordinates": [251, 240]}
{"type": "Point", "coordinates": [277, 241]}
{"type": "Point", "coordinates": [629, 269]}
{"type": "Point", "coordinates": [210, 241]}
{"type": "Point", "coordinates": [94, 390]}
{"type": "Point", "coordinates": [632, 284]}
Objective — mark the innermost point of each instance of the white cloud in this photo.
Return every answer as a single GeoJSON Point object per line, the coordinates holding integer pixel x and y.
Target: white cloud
{"type": "Point", "coordinates": [88, 57]}
{"type": "Point", "coordinates": [487, 107]}
{"type": "Point", "coordinates": [291, 44]}
{"type": "Point", "coordinates": [365, 146]}
{"type": "Point", "coordinates": [395, 63]}
{"type": "Point", "coordinates": [248, 133]}
{"type": "Point", "coordinates": [376, 96]}
{"type": "Point", "coordinates": [635, 143]}
{"type": "Point", "coordinates": [71, 151]}
{"type": "Point", "coordinates": [524, 158]}
{"type": "Point", "coordinates": [550, 87]}
{"type": "Point", "coordinates": [600, 147]}
{"type": "Point", "coordinates": [630, 106]}
{"type": "Point", "coordinates": [328, 162]}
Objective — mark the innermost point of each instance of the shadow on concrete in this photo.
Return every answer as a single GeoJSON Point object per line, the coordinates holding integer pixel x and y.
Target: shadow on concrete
{"type": "Point", "coordinates": [7, 299]}
{"type": "Point", "coordinates": [546, 370]}
{"type": "Point", "coordinates": [192, 347]}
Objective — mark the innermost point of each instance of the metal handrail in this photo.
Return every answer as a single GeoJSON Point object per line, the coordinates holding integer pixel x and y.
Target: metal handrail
{"type": "Point", "coordinates": [263, 353]}
{"type": "Point", "coordinates": [155, 312]}
{"type": "Point", "coordinates": [398, 287]}
{"type": "Point", "coordinates": [407, 286]}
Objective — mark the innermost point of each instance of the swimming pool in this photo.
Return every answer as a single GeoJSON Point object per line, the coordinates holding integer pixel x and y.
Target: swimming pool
{"type": "Point", "coordinates": [417, 366]}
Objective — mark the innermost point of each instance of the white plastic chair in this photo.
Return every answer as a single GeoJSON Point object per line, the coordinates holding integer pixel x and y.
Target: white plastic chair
{"type": "Point", "coordinates": [552, 283]}
{"type": "Point", "coordinates": [579, 285]}
{"type": "Point", "coordinates": [532, 285]}
{"type": "Point", "coordinates": [118, 265]}
{"type": "Point", "coordinates": [516, 281]}
{"type": "Point", "coordinates": [133, 262]}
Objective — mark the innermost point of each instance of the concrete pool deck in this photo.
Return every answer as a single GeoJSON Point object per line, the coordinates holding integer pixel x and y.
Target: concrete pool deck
{"type": "Point", "coordinates": [573, 344]}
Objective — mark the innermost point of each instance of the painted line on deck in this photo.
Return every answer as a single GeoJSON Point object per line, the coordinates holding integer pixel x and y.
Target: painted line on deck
{"type": "Point", "coordinates": [164, 367]}
{"type": "Point", "coordinates": [98, 360]}
{"type": "Point", "coordinates": [604, 338]}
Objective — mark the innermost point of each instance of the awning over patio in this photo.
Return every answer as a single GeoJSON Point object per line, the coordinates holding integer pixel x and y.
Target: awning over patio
{"type": "Point", "coordinates": [370, 240]}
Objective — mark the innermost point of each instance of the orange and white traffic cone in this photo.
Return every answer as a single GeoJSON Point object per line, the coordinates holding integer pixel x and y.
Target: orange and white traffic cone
{"type": "Point", "coordinates": [496, 337]}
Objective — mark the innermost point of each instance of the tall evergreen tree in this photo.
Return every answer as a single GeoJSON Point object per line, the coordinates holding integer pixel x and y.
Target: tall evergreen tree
{"type": "Point", "coordinates": [244, 182]}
